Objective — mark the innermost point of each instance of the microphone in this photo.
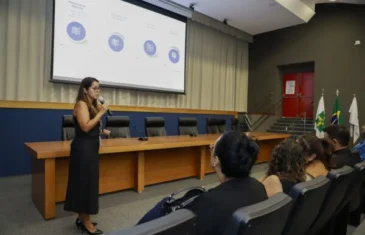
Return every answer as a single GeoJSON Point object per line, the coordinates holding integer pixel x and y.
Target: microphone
{"type": "Point", "coordinates": [101, 100]}
{"type": "Point", "coordinates": [142, 137]}
{"type": "Point", "coordinates": [193, 134]}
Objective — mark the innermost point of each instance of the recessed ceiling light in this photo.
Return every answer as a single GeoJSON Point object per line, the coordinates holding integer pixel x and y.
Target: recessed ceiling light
{"type": "Point", "coordinates": [332, 0]}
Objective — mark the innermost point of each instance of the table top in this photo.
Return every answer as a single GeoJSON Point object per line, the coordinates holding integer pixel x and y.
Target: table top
{"type": "Point", "coordinates": [55, 149]}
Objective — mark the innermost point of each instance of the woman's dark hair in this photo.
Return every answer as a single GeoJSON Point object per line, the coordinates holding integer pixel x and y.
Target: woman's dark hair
{"type": "Point", "coordinates": [86, 83]}
{"type": "Point", "coordinates": [287, 162]}
{"type": "Point", "coordinates": [327, 156]}
{"type": "Point", "coordinates": [237, 153]}
{"type": "Point", "coordinates": [312, 145]}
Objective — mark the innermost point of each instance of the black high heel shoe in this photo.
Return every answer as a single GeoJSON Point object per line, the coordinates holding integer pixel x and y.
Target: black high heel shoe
{"type": "Point", "coordinates": [97, 231]}
{"type": "Point", "coordinates": [78, 223]}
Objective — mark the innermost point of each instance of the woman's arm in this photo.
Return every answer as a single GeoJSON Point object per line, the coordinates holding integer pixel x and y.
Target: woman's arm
{"type": "Point", "coordinates": [83, 116]}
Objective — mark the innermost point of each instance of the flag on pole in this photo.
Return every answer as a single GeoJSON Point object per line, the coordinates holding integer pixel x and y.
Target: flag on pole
{"type": "Point", "coordinates": [354, 120]}
{"type": "Point", "coordinates": [336, 114]}
{"type": "Point", "coordinates": [320, 119]}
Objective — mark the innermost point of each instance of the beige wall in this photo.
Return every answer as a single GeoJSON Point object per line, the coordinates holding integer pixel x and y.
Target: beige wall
{"type": "Point", "coordinates": [217, 64]}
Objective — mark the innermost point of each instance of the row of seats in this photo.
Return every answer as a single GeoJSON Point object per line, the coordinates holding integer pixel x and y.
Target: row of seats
{"type": "Point", "coordinates": [154, 126]}
{"type": "Point", "coordinates": [311, 208]}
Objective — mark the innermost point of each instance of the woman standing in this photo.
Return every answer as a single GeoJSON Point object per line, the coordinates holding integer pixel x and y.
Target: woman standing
{"type": "Point", "coordinates": [82, 194]}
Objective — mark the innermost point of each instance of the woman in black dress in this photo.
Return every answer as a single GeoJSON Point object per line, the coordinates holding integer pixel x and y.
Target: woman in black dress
{"type": "Point", "coordinates": [82, 194]}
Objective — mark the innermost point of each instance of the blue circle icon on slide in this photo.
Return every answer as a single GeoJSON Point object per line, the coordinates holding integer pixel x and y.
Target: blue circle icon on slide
{"type": "Point", "coordinates": [150, 48]}
{"type": "Point", "coordinates": [116, 43]}
{"type": "Point", "coordinates": [76, 31]}
{"type": "Point", "coordinates": [174, 55]}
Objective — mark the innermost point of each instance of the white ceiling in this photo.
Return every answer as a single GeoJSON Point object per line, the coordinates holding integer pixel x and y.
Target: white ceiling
{"type": "Point", "coordinates": [259, 16]}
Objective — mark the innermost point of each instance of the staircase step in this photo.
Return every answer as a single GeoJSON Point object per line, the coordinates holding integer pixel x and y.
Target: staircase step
{"type": "Point", "coordinates": [284, 121]}
{"type": "Point", "coordinates": [299, 125]}
{"type": "Point", "coordinates": [293, 132]}
{"type": "Point", "coordinates": [294, 123]}
{"type": "Point", "coordinates": [297, 128]}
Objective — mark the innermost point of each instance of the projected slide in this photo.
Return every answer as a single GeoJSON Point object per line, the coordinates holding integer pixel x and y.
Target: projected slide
{"type": "Point", "coordinates": [120, 44]}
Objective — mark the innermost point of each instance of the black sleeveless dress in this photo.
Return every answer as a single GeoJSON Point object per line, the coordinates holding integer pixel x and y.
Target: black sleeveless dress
{"type": "Point", "coordinates": [82, 194]}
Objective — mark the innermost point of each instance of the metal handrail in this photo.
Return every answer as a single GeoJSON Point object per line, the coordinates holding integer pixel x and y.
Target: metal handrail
{"type": "Point", "coordinates": [304, 119]}
{"type": "Point", "coordinates": [273, 107]}
{"type": "Point", "coordinates": [264, 102]}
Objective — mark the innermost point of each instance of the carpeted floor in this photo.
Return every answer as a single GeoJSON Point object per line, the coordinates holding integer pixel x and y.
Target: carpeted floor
{"type": "Point", "coordinates": [18, 215]}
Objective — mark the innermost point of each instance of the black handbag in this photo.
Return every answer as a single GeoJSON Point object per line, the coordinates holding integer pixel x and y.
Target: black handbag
{"type": "Point", "coordinates": [174, 203]}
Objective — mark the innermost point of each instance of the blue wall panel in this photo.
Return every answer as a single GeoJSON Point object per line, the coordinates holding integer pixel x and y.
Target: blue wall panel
{"type": "Point", "coordinates": [36, 125]}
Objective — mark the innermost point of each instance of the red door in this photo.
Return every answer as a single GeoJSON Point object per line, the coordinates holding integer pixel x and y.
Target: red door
{"type": "Point", "coordinates": [298, 95]}
{"type": "Point", "coordinates": [290, 95]}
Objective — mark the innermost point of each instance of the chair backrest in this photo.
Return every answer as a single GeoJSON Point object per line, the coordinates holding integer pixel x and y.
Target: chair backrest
{"type": "Point", "coordinates": [188, 126]}
{"type": "Point", "coordinates": [307, 199]}
{"type": "Point", "coordinates": [180, 222]}
{"type": "Point", "coordinates": [264, 218]}
{"type": "Point", "coordinates": [119, 126]}
{"type": "Point", "coordinates": [359, 179]}
{"type": "Point", "coordinates": [339, 183]}
{"type": "Point", "coordinates": [221, 123]}
{"type": "Point", "coordinates": [68, 127]}
{"type": "Point", "coordinates": [155, 126]}
{"type": "Point", "coordinates": [235, 124]}
{"type": "Point", "coordinates": [212, 126]}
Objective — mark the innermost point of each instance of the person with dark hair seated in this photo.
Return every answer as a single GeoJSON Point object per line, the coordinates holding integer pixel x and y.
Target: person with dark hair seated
{"type": "Point", "coordinates": [287, 167]}
{"type": "Point", "coordinates": [232, 157]}
{"type": "Point", "coordinates": [318, 161]}
{"type": "Point", "coordinates": [359, 145]}
{"type": "Point", "coordinates": [339, 137]}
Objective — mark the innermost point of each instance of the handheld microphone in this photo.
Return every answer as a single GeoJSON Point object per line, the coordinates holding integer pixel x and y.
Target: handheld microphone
{"type": "Point", "coordinates": [101, 100]}
{"type": "Point", "coordinates": [142, 137]}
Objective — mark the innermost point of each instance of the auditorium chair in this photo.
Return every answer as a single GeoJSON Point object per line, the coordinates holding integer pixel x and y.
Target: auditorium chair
{"type": "Point", "coordinates": [221, 123]}
{"type": "Point", "coordinates": [264, 218]}
{"type": "Point", "coordinates": [340, 179]}
{"type": "Point", "coordinates": [68, 127]}
{"type": "Point", "coordinates": [119, 126]}
{"type": "Point", "coordinates": [155, 126]}
{"type": "Point", "coordinates": [212, 126]}
{"type": "Point", "coordinates": [307, 199]}
{"type": "Point", "coordinates": [235, 124]}
{"type": "Point", "coordinates": [188, 126]}
{"type": "Point", "coordinates": [351, 201]}
{"type": "Point", "coordinates": [359, 196]}
{"type": "Point", "coordinates": [180, 222]}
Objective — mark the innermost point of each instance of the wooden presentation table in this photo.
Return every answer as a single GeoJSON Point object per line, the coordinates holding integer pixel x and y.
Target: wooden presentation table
{"type": "Point", "coordinates": [128, 163]}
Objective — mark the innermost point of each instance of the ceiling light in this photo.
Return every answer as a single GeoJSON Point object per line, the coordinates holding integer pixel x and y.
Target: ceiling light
{"type": "Point", "coordinates": [332, 0]}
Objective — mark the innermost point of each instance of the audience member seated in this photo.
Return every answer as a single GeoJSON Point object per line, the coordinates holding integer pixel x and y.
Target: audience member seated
{"type": "Point", "coordinates": [232, 158]}
{"type": "Point", "coordinates": [287, 166]}
{"type": "Point", "coordinates": [362, 135]}
{"type": "Point", "coordinates": [360, 144]}
{"type": "Point", "coordinates": [339, 137]}
{"type": "Point", "coordinates": [317, 162]}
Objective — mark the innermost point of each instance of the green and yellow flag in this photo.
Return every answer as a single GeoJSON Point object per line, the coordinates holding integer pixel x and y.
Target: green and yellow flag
{"type": "Point", "coordinates": [336, 114]}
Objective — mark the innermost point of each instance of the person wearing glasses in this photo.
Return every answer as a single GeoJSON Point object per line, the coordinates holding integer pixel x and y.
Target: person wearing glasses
{"type": "Point", "coordinates": [82, 194]}
{"type": "Point", "coordinates": [232, 157]}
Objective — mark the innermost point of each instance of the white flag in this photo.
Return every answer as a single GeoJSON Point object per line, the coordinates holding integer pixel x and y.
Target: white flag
{"type": "Point", "coordinates": [320, 119]}
{"type": "Point", "coordinates": [354, 120]}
